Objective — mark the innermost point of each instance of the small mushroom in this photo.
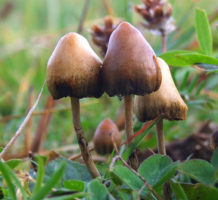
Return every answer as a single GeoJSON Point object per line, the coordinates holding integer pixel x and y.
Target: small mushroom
{"type": "Point", "coordinates": [129, 67]}
{"type": "Point", "coordinates": [106, 135]}
{"type": "Point", "coordinates": [74, 70]}
{"type": "Point", "coordinates": [166, 102]}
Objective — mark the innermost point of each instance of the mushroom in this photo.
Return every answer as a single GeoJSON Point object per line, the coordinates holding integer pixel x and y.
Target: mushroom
{"type": "Point", "coordinates": [129, 67]}
{"type": "Point", "coordinates": [73, 70]}
{"type": "Point", "coordinates": [106, 135]}
{"type": "Point", "coordinates": [166, 102]}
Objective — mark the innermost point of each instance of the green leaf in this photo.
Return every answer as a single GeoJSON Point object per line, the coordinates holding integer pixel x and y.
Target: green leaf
{"type": "Point", "coordinates": [13, 163]}
{"type": "Point", "coordinates": [214, 159]}
{"type": "Point", "coordinates": [178, 191]}
{"type": "Point", "coordinates": [54, 179]}
{"type": "Point", "coordinates": [171, 57]}
{"type": "Point", "coordinates": [6, 176]}
{"type": "Point", "coordinates": [128, 177]}
{"type": "Point", "coordinates": [203, 31]}
{"type": "Point", "coordinates": [200, 192]}
{"type": "Point", "coordinates": [98, 190]}
{"type": "Point", "coordinates": [74, 185]}
{"type": "Point", "coordinates": [199, 170]}
{"type": "Point", "coordinates": [123, 195]}
{"type": "Point", "coordinates": [116, 179]}
{"type": "Point", "coordinates": [40, 174]}
{"type": "Point", "coordinates": [157, 169]}
{"type": "Point", "coordinates": [214, 162]}
{"type": "Point", "coordinates": [183, 58]}
{"type": "Point", "coordinates": [74, 170]}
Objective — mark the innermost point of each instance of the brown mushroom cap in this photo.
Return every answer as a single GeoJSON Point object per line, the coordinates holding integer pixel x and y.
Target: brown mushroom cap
{"type": "Point", "coordinates": [105, 134]}
{"type": "Point", "coordinates": [74, 69]}
{"type": "Point", "coordinates": [129, 66]}
{"type": "Point", "coordinates": [166, 101]}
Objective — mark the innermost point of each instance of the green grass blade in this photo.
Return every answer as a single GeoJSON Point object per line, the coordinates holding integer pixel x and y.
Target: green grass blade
{"type": "Point", "coordinates": [40, 175]}
{"type": "Point", "coordinates": [217, 31]}
{"type": "Point", "coordinates": [203, 31]}
{"type": "Point", "coordinates": [200, 87]}
{"type": "Point", "coordinates": [55, 178]}
{"type": "Point", "coordinates": [16, 181]}
{"type": "Point", "coordinates": [6, 176]}
{"type": "Point", "coordinates": [184, 81]}
{"type": "Point", "coordinates": [192, 84]}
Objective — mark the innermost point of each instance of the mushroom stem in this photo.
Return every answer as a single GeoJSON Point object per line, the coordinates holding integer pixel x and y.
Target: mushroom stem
{"type": "Point", "coordinates": [160, 138]}
{"type": "Point", "coordinates": [128, 116]}
{"type": "Point", "coordinates": [159, 125]}
{"type": "Point", "coordinates": [83, 144]}
{"type": "Point", "coordinates": [162, 151]}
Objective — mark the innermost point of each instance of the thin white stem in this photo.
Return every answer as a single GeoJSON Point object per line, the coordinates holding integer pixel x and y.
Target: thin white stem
{"type": "Point", "coordinates": [160, 138]}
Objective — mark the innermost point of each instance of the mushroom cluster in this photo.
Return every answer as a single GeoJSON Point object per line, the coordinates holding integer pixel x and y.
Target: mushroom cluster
{"type": "Point", "coordinates": [130, 67]}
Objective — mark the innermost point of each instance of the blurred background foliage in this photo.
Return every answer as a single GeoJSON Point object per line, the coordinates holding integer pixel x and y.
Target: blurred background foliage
{"type": "Point", "coordinates": [29, 31]}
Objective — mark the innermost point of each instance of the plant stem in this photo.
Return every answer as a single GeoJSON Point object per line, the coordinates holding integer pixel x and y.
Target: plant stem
{"type": "Point", "coordinates": [28, 133]}
{"type": "Point", "coordinates": [159, 125]}
{"type": "Point", "coordinates": [160, 138]}
{"type": "Point", "coordinates": [162, 151]}
{"type": "Point", "coordinates": [83, 16]}
{"type": "Point", "coordinates": [164, 42]}
{"type": "Point", "coordinates": [128, 116]}
{"type": "Point", "coordinates": [81, 139]}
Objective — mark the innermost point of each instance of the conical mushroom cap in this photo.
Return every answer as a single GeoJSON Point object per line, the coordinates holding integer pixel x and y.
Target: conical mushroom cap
{"type": "Point", "coordinates": [166, 101]}
{"type": "Point", "coordinates": [129, 66]}
{"type": "Point", "coordinates": [105, 134]}
{"type": "Point", "coordinates": [74, 69]}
